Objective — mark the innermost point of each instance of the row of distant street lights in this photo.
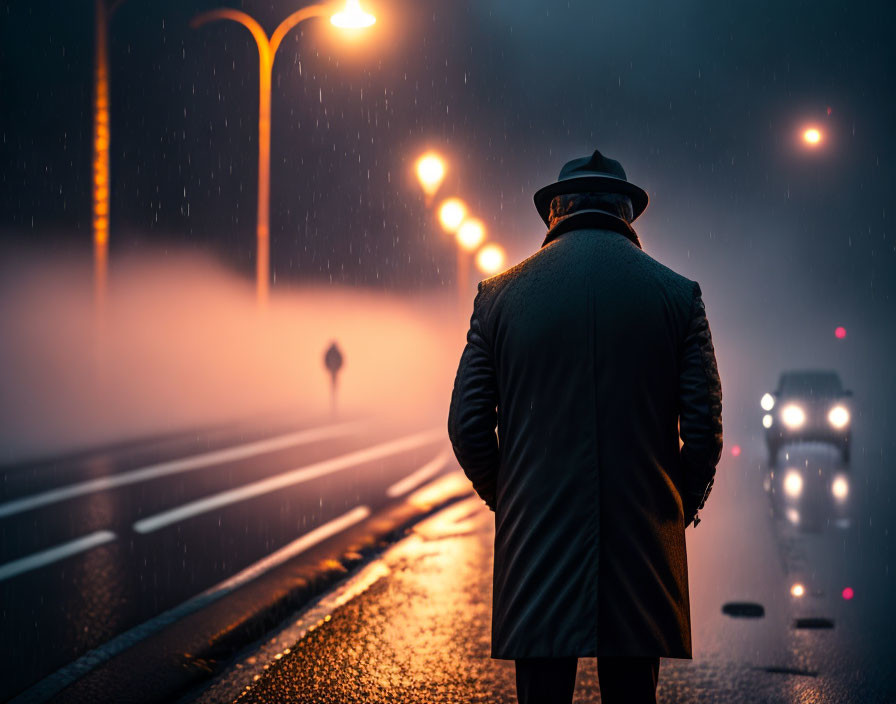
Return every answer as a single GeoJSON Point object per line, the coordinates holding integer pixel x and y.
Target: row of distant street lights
{"type": "Point", "coordinates": [455, 218]}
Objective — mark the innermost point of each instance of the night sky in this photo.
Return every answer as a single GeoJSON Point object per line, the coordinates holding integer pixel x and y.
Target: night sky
{"type": "Point", "coordinates": [702, 102]}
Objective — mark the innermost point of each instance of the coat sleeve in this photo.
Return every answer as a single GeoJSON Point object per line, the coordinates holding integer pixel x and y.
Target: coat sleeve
{"type": "Point", "coordinates": [700, 408]}
{"type": "Point", "coordinates": [472, 416]}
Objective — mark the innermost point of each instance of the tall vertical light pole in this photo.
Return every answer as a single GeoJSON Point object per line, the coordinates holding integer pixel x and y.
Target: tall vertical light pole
{"type": "Point", "coordinates": [351, 17]}
{"type": "Point", "coordinates": [100, 185]}
{"type": "Point", "coordinates": [469, 236]}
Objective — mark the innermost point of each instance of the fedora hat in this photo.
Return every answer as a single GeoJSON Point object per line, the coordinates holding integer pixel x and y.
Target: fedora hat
{"type": "Point", "coordinates": [591, 174]}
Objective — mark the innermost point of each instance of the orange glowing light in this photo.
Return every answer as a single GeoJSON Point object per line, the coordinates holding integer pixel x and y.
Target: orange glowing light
{"type": "Point", "coordinates": [812, 136]}
{"type": "Point", "coordinates": [470, 234]}
{"type": "Point", "coordinates": [430, 172]}
{"type": "Point", "coordinates": [352, 16]}
{"type": "Point", "coordinates": [452, 213]}
{"type": "Point", "coordinates": [490, 259]}
{"type": "Point", "coordinates": [797, 590]}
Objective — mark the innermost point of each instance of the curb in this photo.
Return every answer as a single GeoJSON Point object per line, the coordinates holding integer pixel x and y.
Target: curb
{"type": "Point", "coordinates": [181, 656]}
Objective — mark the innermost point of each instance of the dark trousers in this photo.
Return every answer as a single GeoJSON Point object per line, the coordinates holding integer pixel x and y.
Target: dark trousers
{"type": "Point", "coordinates": [621, 679]}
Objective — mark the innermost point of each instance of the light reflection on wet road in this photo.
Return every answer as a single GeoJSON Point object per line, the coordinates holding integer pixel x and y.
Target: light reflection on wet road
{"type": "Point", "coordinates": [78, 566]}
{"type": "Point", "coordinates": [415, 625]}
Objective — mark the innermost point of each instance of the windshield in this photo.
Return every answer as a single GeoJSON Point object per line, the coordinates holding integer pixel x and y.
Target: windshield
{"type": "Point", "coordinates": [810, 384]}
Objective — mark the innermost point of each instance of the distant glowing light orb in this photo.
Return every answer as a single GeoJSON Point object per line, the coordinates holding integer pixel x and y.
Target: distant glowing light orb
{"type": "Point", "coordinates": [470, 234]}
{"type": "Point", "coordinates": [352, 16]}
{"type": "Point", "coordinates": [430, 172]}
{"type": "Point", "coordinates": [840, 488]}
{"type": "Point", "coordinates": [490, 259]}
{"type": "Point", "coordinates": [840, 332]}
{"type": "Point", "coordinates": [812, 136]}
{"type": "Point", "coordinates": [848, 593]}
{"type": "Point", "coordinates": [735, 451]}
{"type": "Point", "coordinates": [797, 590]}
{"type": "Point", "coordinates": [767, 402]}
{"type": "Point", "coordinates": [767, 420]}
{"type": "Point", "coordinates": [452, 213]}
{"type": "Point", "coordinates": [793, 483]}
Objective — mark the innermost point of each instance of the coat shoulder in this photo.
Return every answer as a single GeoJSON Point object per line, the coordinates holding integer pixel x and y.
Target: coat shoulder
{"type": "Point", "coordinates": [671, 278]}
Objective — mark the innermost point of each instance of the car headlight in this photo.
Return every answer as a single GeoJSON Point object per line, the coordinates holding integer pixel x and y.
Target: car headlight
{"type": "Point", "coordinates": [838, 416]}
{"type": "Point", "coordinates": [767, 402]}
{"type": "Point", "coordinates": [793, 416]}
{"type": "Point", "coordinates": [840, 487]}
{"type": "Point", "coordinates": [767, 420]}
{"type": "Point", "coordinates": [793, 483]}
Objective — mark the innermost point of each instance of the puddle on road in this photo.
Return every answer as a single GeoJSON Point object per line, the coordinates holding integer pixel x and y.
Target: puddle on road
{"type": "Point", "coordinates": [743, 609]}
{"type": "Point", "coordinates": [813, 622]}
{"type": "Point", "coordinates": [778, 670]}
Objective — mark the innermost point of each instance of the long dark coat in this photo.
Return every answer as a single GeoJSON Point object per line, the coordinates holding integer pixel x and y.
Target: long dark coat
{"type": "Point", "coordinates": [586, 356]}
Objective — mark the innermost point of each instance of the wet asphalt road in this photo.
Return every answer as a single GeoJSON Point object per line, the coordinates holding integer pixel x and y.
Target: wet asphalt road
{"type": "Point", "coordinates": [414, 626]}
{"type": "Point", "coordinates": [79, 568]}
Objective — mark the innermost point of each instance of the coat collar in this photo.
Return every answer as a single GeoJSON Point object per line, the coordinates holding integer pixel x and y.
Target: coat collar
{"type": "Point", "coordinates": [592, 220]}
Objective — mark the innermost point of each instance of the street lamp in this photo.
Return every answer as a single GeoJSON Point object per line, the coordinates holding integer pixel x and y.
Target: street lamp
{"type": "Point", "coordinates": [430, 170]}
{"type": "Point", "coordinates": [350, 17]}
{"type": "Point", "coordinates": [470, 234]}
{"type": "Point", "coordinates": [812, 136]}
{"type": "Point", "coordinates": [490, 259]}
{"type": "Point", "coordinates": [103, 10]}
{"type": "Point", "coordinates": [452, 213]}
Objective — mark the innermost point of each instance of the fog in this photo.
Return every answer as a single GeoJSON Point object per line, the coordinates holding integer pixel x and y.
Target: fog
{"type": "Point", "coordinates": [183, 344]}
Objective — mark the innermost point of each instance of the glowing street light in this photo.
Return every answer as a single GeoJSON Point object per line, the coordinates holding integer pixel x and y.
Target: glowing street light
{"type": "Point", "coordinates": [452, 213]}
{"type": "Point", "coordinates": [812, 136]}
{"type": "Point", "coordinates": [103, 11]}
{"type": "Point", "coordinates": [351, 17]}
{"type": "Point", "coordinates": [470, 234]}
{"type": "Point", "coordinates": [101, 155]}
{"type": "Point", "coordinates": [490, 259]}
{"type": "Point", "coordinates": [430, 170]}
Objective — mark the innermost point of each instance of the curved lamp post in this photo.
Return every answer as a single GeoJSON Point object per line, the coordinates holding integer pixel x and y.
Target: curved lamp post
{"type": "Point", "coordinates": [351, 17]}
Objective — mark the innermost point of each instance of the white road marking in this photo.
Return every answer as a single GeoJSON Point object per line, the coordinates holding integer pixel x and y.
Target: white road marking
{"type": "Point", "coordinates": [50, 686]}
{"type": "Point", "coordinates": [299, 545]}
{"type": "Point", "coordinates": [414, 480]}
{"type": "Point", "coordinates": [281, 481]}
{"type": "Point", "coordinates": [185, 464]}
{"type": "Point", "coordinates": [60, 552]}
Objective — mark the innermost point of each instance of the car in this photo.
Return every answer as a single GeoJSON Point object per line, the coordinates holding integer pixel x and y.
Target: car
{"type": "Point", "coordinates": [807, 406]}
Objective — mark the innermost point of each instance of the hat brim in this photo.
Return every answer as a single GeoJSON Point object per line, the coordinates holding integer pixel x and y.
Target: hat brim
{"type": "Point", "coordinates": [590, 184]}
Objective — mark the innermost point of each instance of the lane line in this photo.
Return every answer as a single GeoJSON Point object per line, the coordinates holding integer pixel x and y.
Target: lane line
{"type": "Point", "coordinates": [185, 464]}
{"type": "Point", "coordinates": [430, 469]}
{"type": "Point", "coordinates": [51, 555]}
{"type": "Point", "coordinates": [53, 684]}
{"type": "Point", "coordinates": [281, 481]}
